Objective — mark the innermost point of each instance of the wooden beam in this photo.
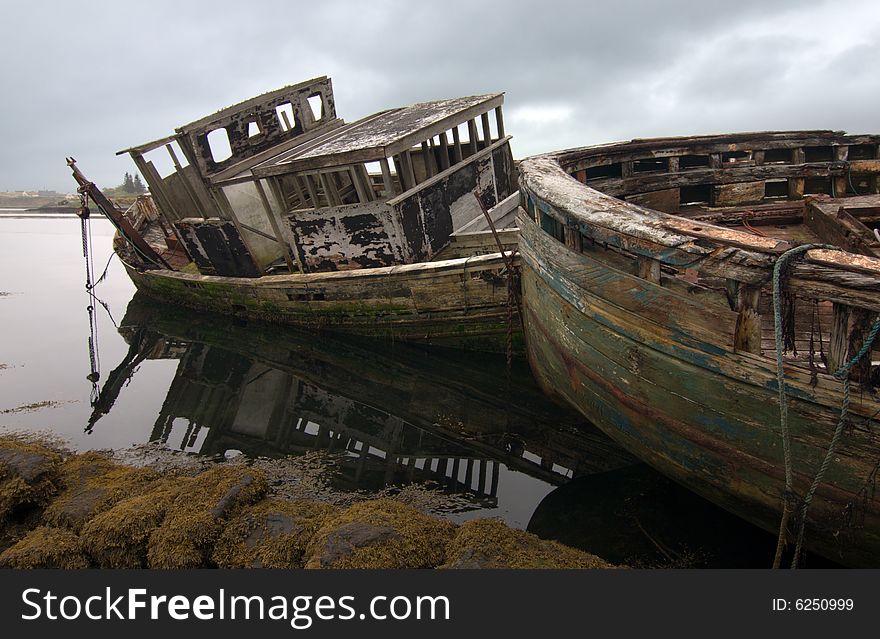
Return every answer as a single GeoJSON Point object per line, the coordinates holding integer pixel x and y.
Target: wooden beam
{"type": "Point", "coordinates": [649, 269]}
{"type": "Point", "coordinates": [387, 181]}
{"type": "Point", "coordinates": [363, 196]}
{"type": "Point", "coordinates": [312, 188]}
{"type": "Point", "coordinates": [456, 149]}
{"type": "Point", "coordinates": [428, 158]}
{"type": "Point", "coordinates": [327, 181]}
{"type": "Point", "coordinates": [499, 121]}
{"type": "Point", "coordinates": [472, 134]}
{"type": "Point", "coordinates": [487, 132]}
{"type": "Point", "coordinates": [273, 222]}
{"type": "Point", "coordinates": [444, 151]}
{"type": "Point", "coordinates": [406, 158]}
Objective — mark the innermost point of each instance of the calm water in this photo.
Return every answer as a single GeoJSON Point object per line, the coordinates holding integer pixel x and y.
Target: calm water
{"type": "Point", "coordinates": [396, 414]}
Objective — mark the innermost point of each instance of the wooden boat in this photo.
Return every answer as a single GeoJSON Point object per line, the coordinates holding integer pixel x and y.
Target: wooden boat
{"type": "Point", "coordinates": [647, 289]}
{"type": "Point", "coordinates": [276, 209]}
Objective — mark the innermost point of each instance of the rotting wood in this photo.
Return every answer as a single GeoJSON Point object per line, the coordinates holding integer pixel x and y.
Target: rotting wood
{"type": "Point", "coordinates": [748, 321]}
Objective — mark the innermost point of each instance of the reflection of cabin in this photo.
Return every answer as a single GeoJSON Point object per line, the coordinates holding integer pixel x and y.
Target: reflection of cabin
{"type": "Point", "coordinates": [279, 182]}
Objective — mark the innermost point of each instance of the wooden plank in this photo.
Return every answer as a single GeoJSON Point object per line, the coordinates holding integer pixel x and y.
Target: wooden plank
{"type": "Point", "coordinates": [739, 193]}
{"type": "Point", "coordinates": [666, 200]}
{"type": "Point", "coordinates": [487, 131]}
{"type": "Point", "coordinates": [726, 236]}
{"type": "Point", "coordinates": [837, 349]}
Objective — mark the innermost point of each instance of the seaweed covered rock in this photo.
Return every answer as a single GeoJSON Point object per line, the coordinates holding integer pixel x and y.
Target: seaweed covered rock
{"type": "Point", "coordinates": [490, 543]}
{"type": "Point", "coordinates": [197, 514]}
{"type": "Point", "coordinates": [93, 483]}
{"type": "Point", "coordinates": [118, 537]}
{"type": "Point", "coordinates": [46, 547]}
{"type": "Point", "coordinates": [28, 476]}
{"type": "Point", "coordinates": [270, 534]}
{"type": "Point", "coordinates": [380, 533]}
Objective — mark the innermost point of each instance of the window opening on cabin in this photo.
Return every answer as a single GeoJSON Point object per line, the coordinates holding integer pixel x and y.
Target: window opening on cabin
{"type": "Point", "coordinates": [218, 142]}
{"type": "Point", "coordinates": [696, 194]}
{"type": "Point", "coordinates": [818, 154]}
{"type": "Point", "coordinates": [816, 185]}
{"type": "Point", "coordinates": [316, 103]}
{"type": "Point", "coordinates": [285, 116]}
{"type": "Point", "coordinates": [686, 162]}
{"type": "Point", "coordinates": [732, 157]}
{"type": "Point", "coordinates": [777, 156]}
{"type": "Point", "coordinates": [862, 152]}
{"type": "Point", "coordinates": [603, 171]}
{"type": "Point", "coordinates": [553, 226]}
{"type": "Point", "coordinates": [647, 165]}
{"type": "Point", "coordinates": [776, 189]}
{"type": "Point", "coordinates": [161, 161]}
{"type": "Point", "coordinates": [253, 129]}
{"type": "Point", "coordinates": [858, 184]}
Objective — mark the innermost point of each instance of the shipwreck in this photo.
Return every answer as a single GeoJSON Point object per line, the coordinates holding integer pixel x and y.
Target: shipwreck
{"type": "Point", "coordinates": [400, 224]}
{"type": "Point", "coordinates": [711, 303]}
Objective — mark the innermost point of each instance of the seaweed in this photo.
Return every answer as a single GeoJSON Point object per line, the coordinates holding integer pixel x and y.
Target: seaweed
{"type": "Point", "coordinates": [380, 533]}
{"type": "Point", "coordinates": [28, 477]}
{"type": "Point", "coordinates": [196, 516]}
{"type": "Point", "coordinates": [118, 537]}
{"type": "Point", "coordinates": [271, 534]}
{"type": "Point", "coordinates": [46, 547]}
{"type": "Point", "coordinates": [93, 483]}
{"type": "Point", "coordinates": [490, 543]}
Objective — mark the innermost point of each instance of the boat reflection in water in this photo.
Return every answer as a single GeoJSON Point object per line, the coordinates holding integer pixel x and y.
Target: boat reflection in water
{"type": "Point", "coordinates": [398, 414]}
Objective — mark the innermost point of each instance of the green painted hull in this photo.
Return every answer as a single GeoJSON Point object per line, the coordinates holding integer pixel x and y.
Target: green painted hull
{"type": "Point", "coordinates": [459, 303]}
{"type": "Point", "coordinates": [629, 356]}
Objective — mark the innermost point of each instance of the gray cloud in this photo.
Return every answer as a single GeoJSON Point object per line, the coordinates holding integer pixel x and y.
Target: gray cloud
{"type": "Point", "coordinates": [88, 79]}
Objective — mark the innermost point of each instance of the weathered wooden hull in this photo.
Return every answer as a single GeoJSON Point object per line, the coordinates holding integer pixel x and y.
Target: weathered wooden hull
{"type": "Point", "coordinates": [629, 355]}
{"type": "Point", "coordinates": [458, 303]}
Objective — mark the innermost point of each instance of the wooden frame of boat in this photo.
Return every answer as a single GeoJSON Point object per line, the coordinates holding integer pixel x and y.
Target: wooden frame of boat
{"type": "Point", "coordinates": [659, 328]}
{"type": "Point", "coordinates": [375, 227]}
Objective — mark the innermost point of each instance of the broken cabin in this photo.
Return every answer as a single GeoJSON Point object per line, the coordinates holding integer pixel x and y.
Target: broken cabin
{"type": "Point", "coordinates": [280, 184]}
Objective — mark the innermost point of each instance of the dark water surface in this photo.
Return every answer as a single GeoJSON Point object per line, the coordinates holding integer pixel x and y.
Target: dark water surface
{"type": "Point", "coordinates": [397, 414]}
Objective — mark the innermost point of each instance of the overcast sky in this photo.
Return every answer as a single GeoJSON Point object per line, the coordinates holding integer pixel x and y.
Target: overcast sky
{"type": "Point", "coordinates": [89, 78]}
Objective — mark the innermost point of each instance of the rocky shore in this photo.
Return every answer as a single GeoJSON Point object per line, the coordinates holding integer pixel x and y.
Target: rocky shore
{"type": "Point", "coordinates": [65, 510]}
